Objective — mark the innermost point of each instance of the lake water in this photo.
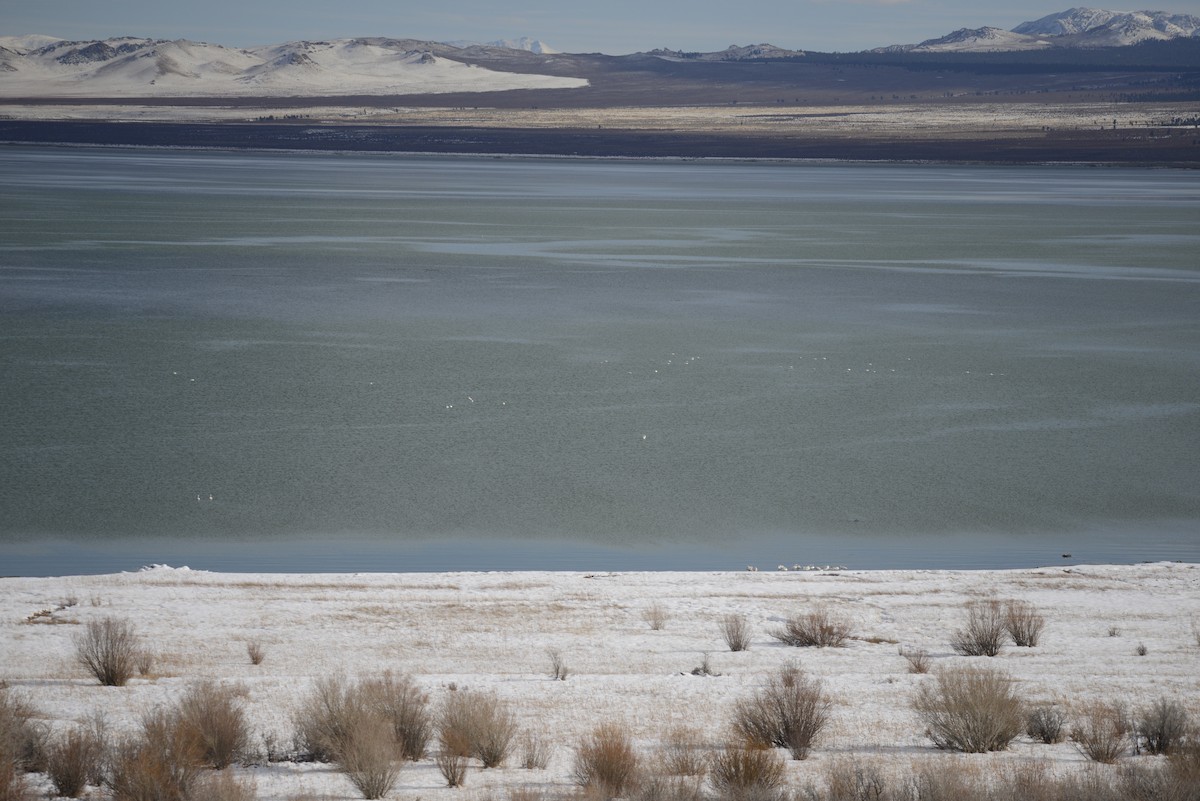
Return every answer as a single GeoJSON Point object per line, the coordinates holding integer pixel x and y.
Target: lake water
{"type": "Point", "coordinates": [311, 362]}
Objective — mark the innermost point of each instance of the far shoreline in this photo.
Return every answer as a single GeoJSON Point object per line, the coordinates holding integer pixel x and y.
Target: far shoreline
{"type": "Point", "coordinates": [1057, 148]}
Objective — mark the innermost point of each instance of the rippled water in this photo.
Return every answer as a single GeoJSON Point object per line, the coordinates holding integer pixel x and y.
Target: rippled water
{"type": "Point", "coordinates": [325, 362]}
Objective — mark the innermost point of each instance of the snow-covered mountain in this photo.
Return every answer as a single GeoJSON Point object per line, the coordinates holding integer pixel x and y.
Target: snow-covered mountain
{"type": "Point", "coordinates": [1090, 27]}
{"type": "Point", "coordinates": [1075, 27]}
{"type": "Point", "coordinates": [40, 66]}
{"type": "Point", "coordinates": [976, 40]}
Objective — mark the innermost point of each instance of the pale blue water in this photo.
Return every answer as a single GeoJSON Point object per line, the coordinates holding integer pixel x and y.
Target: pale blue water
{"type": "Point", "coordinates": [399, 363]}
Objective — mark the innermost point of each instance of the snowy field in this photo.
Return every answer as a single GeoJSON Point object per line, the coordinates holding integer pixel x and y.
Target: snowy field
{"type": "Point", "coordinates": [493, 631]}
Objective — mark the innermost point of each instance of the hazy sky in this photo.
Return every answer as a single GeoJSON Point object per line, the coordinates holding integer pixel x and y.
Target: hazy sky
{"type": "Point", "coordinates": [609, 26]}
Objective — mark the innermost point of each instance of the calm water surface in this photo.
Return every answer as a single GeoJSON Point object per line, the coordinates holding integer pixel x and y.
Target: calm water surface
{"type": "Point", "coordinates": [326, 362]}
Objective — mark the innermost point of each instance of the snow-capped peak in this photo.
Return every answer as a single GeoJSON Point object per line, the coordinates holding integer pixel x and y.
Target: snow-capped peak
{"type": "Point", "coordinates": [1090, 27]}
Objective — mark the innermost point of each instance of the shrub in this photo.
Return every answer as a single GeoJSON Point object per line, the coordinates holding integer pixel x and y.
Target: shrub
{"type": "Point", "coordinates": [605, 761]}
{"type": "Point", "coordinates": [73, 759]}
{"type": "Point", "coordinates": [818, 628]}
{"type": "Point", "coordinates": [217, 721]}
{"type": "Point", "coordinates": [1023, 623]}
{"type": "Point", "coordinates": [668, 788]}
{"type": "Point", "coordinates": [683, 753]}
{"type": "Point", "coordinates": [1183, 764]}
{"type": "Point", "coordinates": [1046, 723]}
{"type": "Point", "coordinates": [933, 782]}
{"type": "Point", "coordinates": [857, 781]}
{"type": "Point", "coordinates": [735, 630]}
{"type": "Point", "coordinates": [1102, 733]}
{"type": "Point", "coordinates": [535, 752]}
{"type": "Point", "coordinates": [746, 772]}
{"type": "Point", "coordinates": [1162, 726]}
{"type": "Point", "coordinates": [13, 786]}
{"type": "Point", "coordinates": [477, 725]}
{"type": "Point", "coordinates": [453, 767]}
{"type": "Point", "coordinates": [705, 667]}
{"type": "Point", "coordinates": [985, 630]}
{"type": "Point", "coordinates": [22, 738]}
{"type": "Point", "coordinates": [970, 710]}
{"type": "Point", "coordinates": [369, 755]}
{"type": "Point", "coordinates": [655, 616]}
{"type": "Point", "coordinates": [1141, 649]}
{"type": "Point", "coordinates": [558, 667]}
{"type": "Point", "coordinates": [256, 652]}
{"type": "Point", "coordinates": [144, 661]}
{"type": "Point", "coordinates": [108, 648]}
{"type": "Point", "coordinates": [224, 786]}
{"type": "Point", "coordinates": [327, 717]}
{"type": "Point", "coordinates": [788, 712]}
{"type": "Point", "coordinates": [917, 658]}
{"type": "Point", "coordinates": [406, 707]}
{"type": "Point", "coordinates": [161, 764]}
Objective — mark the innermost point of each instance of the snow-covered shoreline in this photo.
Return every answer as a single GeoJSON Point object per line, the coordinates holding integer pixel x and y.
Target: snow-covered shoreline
{"type": "Point", "coordinates": [492, 632]}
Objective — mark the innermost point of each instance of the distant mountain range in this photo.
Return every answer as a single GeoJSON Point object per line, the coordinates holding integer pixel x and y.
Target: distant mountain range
{"type": "Point", "coordinates": [1073, 28]}
{"type": "Point", "coordinates": [42, 66]}
{"type": "Point", "coordinates": [130, 67]}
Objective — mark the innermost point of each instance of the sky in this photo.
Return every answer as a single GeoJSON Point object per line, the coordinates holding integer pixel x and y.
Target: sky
{"type": "Point", "coordinates": [575, 26]}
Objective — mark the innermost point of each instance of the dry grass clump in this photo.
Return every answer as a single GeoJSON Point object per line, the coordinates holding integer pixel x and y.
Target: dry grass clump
{"type": "Point", "coordinates": [1024, 623]}
{"type": "Point", "coordinates": [75, 758]}
{"type": "Point", "coordinates": [788, 712]}
{"type": "Point", "coordinates": [256, 652]}
{"type": "Point", "coordinates": [970, 710]}
{"type": "Point", "coordinates": [23, 738]}
{"type": "Point", "coordinates": [917, 658]}
{"type": "Point", "coordinates": [859, 781]}
{"type": "Point", "coordinates": [215, 715]}
{"type": "Point", "coordinates": [162, 763]}
{"type": "Point", "coordinates": [656, 616]}
{"type": "Point", "coordinates": [669, 788]}
{"type": "Point", "coordinates": [985, 631]}
{"type": "Point", "coordinates": [473, 724]}
{"type": "Point", "coordinates": [1046, 723]}
{"type": "Point", "coordinates": [1102, 732]}
{"type": "Point", "coordinates": [820, 628]}
{"type": "Point", "coordinates": [735, 631]}
{"type": "Point", "coordinates": [535, 751]}
{"type": "Point", "coordinates": [108, 648]}
{"type": "Point", "coordinates": [1161, 727]}
{"type": "Point", "coordinates": [683, 753]}
{"type": "Point", "coordinates": [605, 761]}
{"type": "Point", "coordinates": [746, 772]}
{"type": "Point", "coordinates": [20, 739]}
{"type": "Point", "coordinates": [224, 786]}
{"type": "Point", "coordinates": [1024, 780]}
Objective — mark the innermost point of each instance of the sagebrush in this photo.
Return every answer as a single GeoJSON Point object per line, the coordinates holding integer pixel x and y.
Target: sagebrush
{"type": "Point", "coordinates": [789, 711]}
{"type": "Point", "coordinates": [605, 760]}
{"type": "Point", "coordinates": [109, 649]}
{"type": "Point", "coordinates": [973, 710]}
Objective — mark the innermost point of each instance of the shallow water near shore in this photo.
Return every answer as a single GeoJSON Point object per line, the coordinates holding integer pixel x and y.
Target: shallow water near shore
{"type": "Point", "coordinates": [310, 362]}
